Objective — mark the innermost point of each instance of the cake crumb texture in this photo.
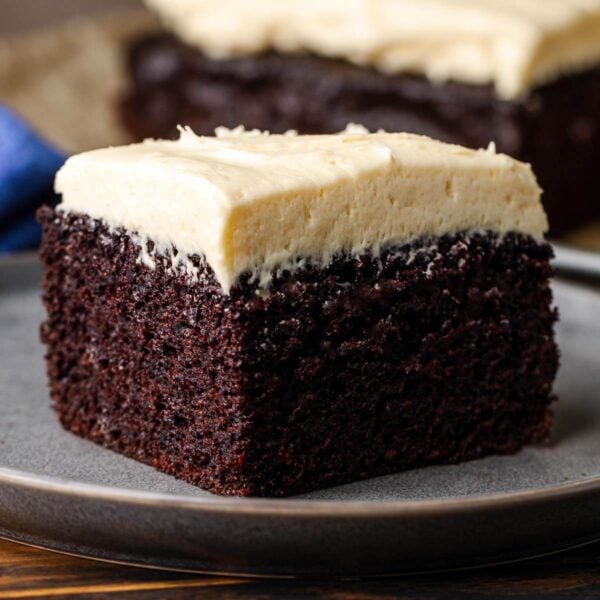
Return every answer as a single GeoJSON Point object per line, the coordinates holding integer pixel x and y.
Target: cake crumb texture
{"type": "Point", "coordinates": [436, 352]}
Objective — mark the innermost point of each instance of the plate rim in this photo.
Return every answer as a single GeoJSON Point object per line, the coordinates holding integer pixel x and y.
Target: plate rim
{"type": "Point", "coordinates": [19, 257]}
{"type": "Point", "coordinates": [297, 507]}
{"type": "Point", "coordinates": [252, 577]}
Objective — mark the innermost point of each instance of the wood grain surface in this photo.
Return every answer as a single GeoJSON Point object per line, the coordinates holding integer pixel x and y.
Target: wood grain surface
{"type": "Point", "coordinates": [31, 573]}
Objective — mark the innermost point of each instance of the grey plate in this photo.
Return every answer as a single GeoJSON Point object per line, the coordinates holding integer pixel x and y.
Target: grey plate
{"type": "Point", "coordinates": [63, 493]}
{"type": "Point", "coordinates": [577, 261]}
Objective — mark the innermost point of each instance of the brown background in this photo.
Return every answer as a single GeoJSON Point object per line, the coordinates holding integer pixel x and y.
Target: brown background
{"type": "Point", "coordinates": [22, 15]}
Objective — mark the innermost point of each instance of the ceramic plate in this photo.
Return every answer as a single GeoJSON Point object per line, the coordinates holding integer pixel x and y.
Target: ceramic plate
{"type": "Point", "coordinates": [66, 494]}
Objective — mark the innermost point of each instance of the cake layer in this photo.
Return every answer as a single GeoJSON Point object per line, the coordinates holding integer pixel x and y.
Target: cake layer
{"type": "Point", "coordinates": [514, 44]}
{"type": "Point", "coordinates": [251, 202]}
{"type": "Point", "coordinates": [434, 352]}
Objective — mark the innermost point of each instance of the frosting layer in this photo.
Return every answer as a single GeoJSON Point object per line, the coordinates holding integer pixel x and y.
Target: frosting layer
{"type": "Point", "coordinates": [249, 201]}
{"type": "Point", "coordinates": [514, 44]}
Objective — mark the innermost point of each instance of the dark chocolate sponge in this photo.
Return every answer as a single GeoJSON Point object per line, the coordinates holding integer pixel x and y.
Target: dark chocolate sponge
{"type": "Point", "coordinates": [556, 128]}
{"type": "Point", "coordinates": [440, 351]}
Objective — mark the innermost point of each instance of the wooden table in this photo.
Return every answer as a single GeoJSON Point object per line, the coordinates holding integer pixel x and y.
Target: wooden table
{"type": "Point", "coordinates": [31, 573]}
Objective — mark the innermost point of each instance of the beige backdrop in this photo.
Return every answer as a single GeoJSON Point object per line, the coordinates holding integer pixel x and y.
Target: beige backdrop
{"type": "Point", "coordinates": [21, 15]}
{"type": "Point", "coordinates": [62, 66]}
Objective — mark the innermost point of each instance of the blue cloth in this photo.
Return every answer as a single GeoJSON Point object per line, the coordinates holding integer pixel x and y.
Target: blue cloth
{"type": "Point", "coordinates": [27, 169]}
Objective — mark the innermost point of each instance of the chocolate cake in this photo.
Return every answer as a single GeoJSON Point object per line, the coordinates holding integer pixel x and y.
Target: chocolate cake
{"type": "Point", "coordinates": [269, 314]}
{"type": "Point", "coordinates": [525, 75]}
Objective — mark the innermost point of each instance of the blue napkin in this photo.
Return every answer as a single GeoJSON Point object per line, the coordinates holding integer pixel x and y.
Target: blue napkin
{"type": "Point", "coordinates": [27, 168]}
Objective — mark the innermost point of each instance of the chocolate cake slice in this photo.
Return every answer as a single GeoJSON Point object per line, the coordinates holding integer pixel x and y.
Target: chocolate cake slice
{"type": "Point", "coordinates": [269, 314]}
{"type": "Point", "coordinates": [524, 74]}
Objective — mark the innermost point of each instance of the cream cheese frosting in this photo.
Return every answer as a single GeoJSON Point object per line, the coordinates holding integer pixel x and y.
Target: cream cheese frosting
{"type": "Point", "coordinates": [250, 201]}
{"type": "Point", "coordinates": [513, 44]}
